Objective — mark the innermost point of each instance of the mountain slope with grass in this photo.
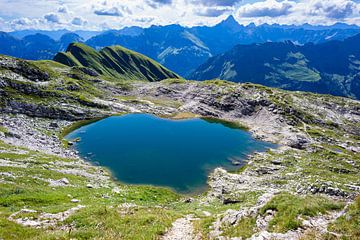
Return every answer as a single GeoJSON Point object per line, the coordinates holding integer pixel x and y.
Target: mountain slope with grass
{"type": "Point", "coordinates": [328, 68]}
{"type": "Point", "coordinates": [307, 188]}
{"type": "Point", "coordinates": [115, 62]}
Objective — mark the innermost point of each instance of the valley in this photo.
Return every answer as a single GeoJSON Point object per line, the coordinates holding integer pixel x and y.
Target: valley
{"type": "Point", "coordinates": [306, 188]}
{"type": "Point", "coordinates": [179, 48]}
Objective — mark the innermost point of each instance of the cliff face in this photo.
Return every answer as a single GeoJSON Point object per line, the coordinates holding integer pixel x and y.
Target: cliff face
{"type": "Point", "coordinates": [316, 164]}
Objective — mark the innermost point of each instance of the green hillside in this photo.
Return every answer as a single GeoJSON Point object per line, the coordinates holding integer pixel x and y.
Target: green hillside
{"type": "Point", "coordinates": [326, 68]}
{"type": "Point", "coordinates": [114, 62]}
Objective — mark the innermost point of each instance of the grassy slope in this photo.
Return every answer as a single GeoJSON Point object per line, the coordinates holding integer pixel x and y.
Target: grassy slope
{"type": "Point", "coordinates": [157, 208]}
{"type": "Point", "coordinates": [115, 62]}
{"type": "Point", "coordinates": [104, 217]}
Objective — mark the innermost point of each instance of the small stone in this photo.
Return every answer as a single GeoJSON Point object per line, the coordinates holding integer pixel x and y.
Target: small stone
{"type": "Point", "coordinates": [54, 125]}
{"type": "Point", "coordinates": [75, 200]}
{"type": "Point", "coordinates": [230, 201]}
{"type": "Point", "coordinates": [276, 162]}
{"type": "Point", "coordinates": [89, 186]}
{"type": "Point", "coordinates": [116, 190]}
{"type": "Point", "coordinates": [65, 181]}
{"type": "Point", "coordinates": [188, 200]}
{"type": "Point", "coordinates": [207, 214]}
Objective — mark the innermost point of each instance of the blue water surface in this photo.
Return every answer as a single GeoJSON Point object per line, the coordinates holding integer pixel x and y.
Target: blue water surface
{"type": "Point", "coordinates": [145, 149]}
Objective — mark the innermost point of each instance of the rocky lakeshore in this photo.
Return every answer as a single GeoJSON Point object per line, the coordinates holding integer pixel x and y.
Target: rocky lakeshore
{"type": "Point", "coordinates": [316, 164]}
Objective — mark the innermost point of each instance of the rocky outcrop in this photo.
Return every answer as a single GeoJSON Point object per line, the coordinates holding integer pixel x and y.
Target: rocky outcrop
{"type": "Point", "coordinates": [70, 113]}
{"type": "Point", "coordinates": [24, 69]}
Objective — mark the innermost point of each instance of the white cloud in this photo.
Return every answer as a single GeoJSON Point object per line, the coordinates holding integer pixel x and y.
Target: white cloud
{"type": "Point", "coordinates": [63, 9]}
{"type": "Point", "coordinates": [52, 18]}
{"type": "Point", "coordinates": [268, 8]}
{"type": "Point", "coordinates": [114, 12]}
{"type": "Point", "coordinates": [71, 14]}
{"type": "Point", "coordinates": [339, 9]}
{"type": "Point", "coordinates": [213, 11]}
{"type": "Point", "coordinates": [223, 3]}
{"type": "Point", "coordinates": [78, 21]}
{"type": "Point", "coordinates": [298, 12]}
{"type": "Point", "coordinates": [158, 3]}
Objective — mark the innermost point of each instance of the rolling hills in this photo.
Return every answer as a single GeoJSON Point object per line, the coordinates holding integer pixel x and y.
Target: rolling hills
{"type": "Point", "coordinates": [114, 61]}
{"type": "Point", "coordinates": [328, 68]}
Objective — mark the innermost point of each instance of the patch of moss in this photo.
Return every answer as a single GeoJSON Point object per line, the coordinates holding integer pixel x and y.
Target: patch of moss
{"type": "Point", "coordinates": [289, 208]}
{"type": "Point", "coordinates": [244, 228]}
{"type": "Point", "coordinates": [349, 224]}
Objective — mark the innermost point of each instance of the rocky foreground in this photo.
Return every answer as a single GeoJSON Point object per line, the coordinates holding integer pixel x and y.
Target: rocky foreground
{"type": "Point", "coordinates": [306, 188]}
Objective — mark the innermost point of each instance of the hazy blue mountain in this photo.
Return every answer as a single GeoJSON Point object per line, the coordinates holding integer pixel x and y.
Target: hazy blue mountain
{"type": "Point", "coordinates": [173, 46]}
{"type": "Point", "coordinates": [9, 45]}
{"type": "Point", "coordinates": [179, 48]}
{"type": "Point", "coordinates": [332, 67]}
{"type": "Point", "coordinates": [54, 34]}
{"type": "Point", "coordinates": [68, 38]}
{"type": "Point", "coordinates": [183, 49]}
{"type": "Point", "coordinates": [35, 47]}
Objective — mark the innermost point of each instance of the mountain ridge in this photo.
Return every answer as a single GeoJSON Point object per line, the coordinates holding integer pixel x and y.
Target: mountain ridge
{"type": "Point", "coordinates": [174, 45]}
{"type": "Point", "coordinates": [114, 61]}
{"type": "Point", "coordinates": [329, 68]}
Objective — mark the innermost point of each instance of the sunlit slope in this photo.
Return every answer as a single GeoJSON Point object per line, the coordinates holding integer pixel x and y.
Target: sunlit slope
{"type": "Point", "coordinates": [114, 61]}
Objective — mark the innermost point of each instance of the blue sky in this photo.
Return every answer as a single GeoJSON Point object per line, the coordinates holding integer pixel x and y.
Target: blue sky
{"type": "Point", "coordinates": [115, 14]}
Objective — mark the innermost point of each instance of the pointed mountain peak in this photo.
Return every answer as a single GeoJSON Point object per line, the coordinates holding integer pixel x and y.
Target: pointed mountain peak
{"type": "Point", "coordinates": [230, 20]}
{"type": "Point", "coordinates": [230, 23]}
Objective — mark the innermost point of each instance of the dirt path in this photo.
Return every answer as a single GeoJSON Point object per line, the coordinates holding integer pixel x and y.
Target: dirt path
{"type": "Point", "coordinates": [182, 229]}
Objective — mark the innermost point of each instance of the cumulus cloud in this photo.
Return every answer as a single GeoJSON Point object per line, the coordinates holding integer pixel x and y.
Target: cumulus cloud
{"type": "Point", "coordinates": [337, 9]}
{"type": "Point", "coordinates": [158, 3]}
{"type": "Point", "coordinates": [25, 23]}
{"type": "Point", "coordinates": [52, 18]}
{"type": "Point", "coordinates": [223, 3]}
{"type": "Point", "coordinates": [78, 21]}
{"type": "Point", "coordinates": [145, 19]}
{"type": "Point", "coordinates": [212, 11]}
{"type": "Point", "coordinates": [268, 8]}
{"type": "Point", "coordinates": [21, 21]}
{"type": "Point", "coordinates": [114, 12]}
{"type": "Point", "coordinates": [304, 11]}
{"type": "Point", "coordinates": [57, 14]}
{"type": "Point", "coordinates": [63, 9]}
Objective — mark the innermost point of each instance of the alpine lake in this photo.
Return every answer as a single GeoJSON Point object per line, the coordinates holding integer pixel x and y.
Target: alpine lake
{"type": "Point", "coordinates": [179, 154]}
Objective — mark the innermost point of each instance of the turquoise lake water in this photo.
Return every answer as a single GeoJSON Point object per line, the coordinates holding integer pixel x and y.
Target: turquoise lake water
{"type": "Point", "coordinates": [180, 154]}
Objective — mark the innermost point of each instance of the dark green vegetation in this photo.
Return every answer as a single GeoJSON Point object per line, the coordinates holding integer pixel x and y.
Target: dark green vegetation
{"type": "Point", "coordinates": [114, 62]}
{"type": "Point", "coordinates": [327, 68]}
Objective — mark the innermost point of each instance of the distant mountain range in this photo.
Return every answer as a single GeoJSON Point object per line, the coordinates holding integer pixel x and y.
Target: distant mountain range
{"type": "Point", "coordinates": [114, 62]}
{"type": "Point", "coordinates": [35, 47]}
{"type": "Point", "coordinates": [54, 34]}
{"type": "Point", "coordinates": [179, 48]}
{"type": "Point", "coordinates": [332, 67]}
